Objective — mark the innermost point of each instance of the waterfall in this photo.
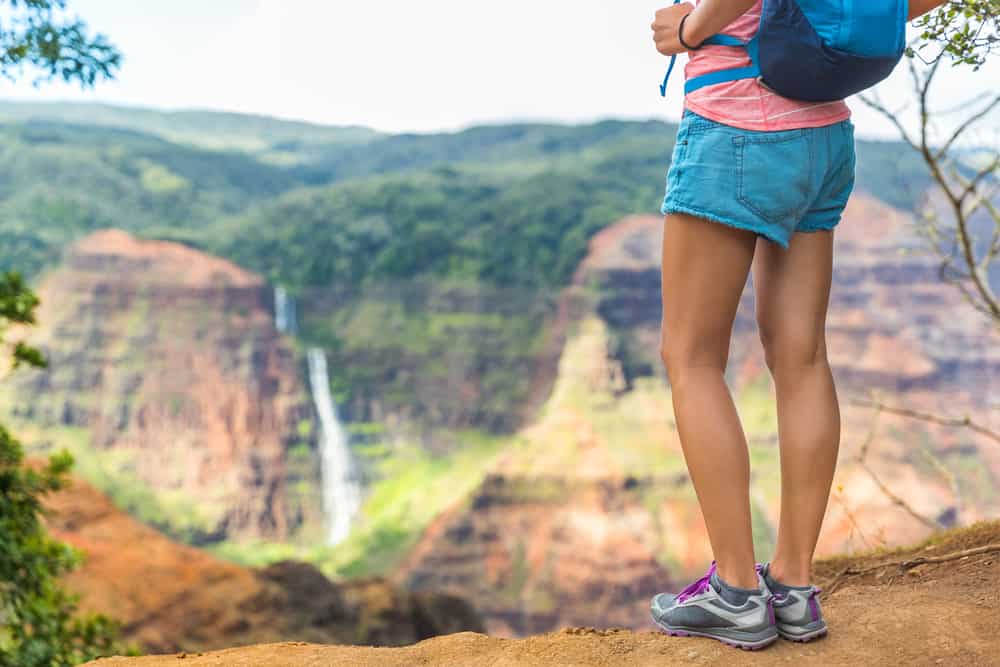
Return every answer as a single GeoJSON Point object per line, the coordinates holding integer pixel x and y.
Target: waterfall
{"type": "Point", "coordinates": [285, 320]}
{"type": "Point", "coordinates": [341, 489]}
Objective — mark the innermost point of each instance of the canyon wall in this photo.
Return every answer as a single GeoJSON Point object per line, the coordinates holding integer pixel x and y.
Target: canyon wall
{"type": "Point", "coordinates": [171, 385]}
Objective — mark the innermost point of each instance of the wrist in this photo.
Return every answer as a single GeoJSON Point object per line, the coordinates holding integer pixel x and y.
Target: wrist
{"type": "Point", "coordinates": [694, 29]}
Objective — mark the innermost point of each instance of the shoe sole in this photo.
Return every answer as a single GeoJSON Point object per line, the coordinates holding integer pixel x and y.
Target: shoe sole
{"type": "Point", "coordinates": [735, 643]}
{"type": "Point", "coordinates": [806, 638]}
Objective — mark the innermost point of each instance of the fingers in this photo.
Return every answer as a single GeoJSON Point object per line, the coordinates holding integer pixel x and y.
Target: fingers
{"type": "Point", "coordinates": [672, 15]}
{"type": "Point", "coordinates": [666, 46]}
{"type": "Point", "coordinates": [665, 27]}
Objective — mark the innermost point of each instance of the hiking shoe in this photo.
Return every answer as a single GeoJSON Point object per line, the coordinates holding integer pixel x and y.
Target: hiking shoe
{"type": "Point", "coordinates": [712, 608]}
{"type": "Point", "coordinates": [798, 616]}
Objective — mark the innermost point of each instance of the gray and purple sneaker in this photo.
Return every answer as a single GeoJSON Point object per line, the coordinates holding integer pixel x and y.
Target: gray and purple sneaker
{"type": "Point", "coordinates": [712, 608]}
{"type": "Point", "coordinates": [798, 616]}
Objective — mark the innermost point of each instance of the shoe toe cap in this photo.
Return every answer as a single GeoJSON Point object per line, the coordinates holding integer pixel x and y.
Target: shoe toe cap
{"type": "Point", "coordinates": [662, 603]}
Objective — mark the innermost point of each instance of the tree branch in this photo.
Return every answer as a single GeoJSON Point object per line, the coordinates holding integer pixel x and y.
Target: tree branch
{"type": "Point", "coordinates": [969, 122]}
{"type": "Point", "coordinates": [957, 422]}
{"type": "Point", "coordinates": [909, 564]}
{"type": "Point", "coordinates": [886, 491]}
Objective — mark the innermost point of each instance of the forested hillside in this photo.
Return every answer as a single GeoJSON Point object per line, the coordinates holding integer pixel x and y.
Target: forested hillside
{"type": "Point", "coordinates": [510, 205]}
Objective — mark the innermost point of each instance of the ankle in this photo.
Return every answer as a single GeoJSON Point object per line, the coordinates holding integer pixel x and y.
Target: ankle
{"type": "Point", "coordinates": [790, 574]}
{"type": "Point", "coordinates": [739, 578]}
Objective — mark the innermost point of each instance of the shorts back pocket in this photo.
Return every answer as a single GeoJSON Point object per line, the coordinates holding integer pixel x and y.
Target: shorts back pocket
{"type": "Point", "coordinates": [774, 174]}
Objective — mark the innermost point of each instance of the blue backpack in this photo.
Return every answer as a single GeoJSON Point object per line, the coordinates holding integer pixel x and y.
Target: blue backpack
{"type": "Point", "coordinates": [816, 50]}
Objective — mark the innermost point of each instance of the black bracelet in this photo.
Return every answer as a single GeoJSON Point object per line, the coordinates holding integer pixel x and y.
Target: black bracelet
{"type": "Point", "coordinates": [680, 36]}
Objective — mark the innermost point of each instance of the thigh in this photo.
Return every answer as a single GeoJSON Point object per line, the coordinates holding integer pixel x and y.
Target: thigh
{"type": "Point", "coordinates": [705, 268]}
{"type": "Point", "coordinates": [792, 294]}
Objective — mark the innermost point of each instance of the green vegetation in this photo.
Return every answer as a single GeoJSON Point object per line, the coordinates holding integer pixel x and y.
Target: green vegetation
{"type": "Point", "coordinates": [966, 30]}
{"type": "Point", "coordinates": [62, 182]}
{"type": "Point", "coordinates": [39, 624]}
{"type": "Point", "coordinates": [42, 37]}
{"type": "Point", "coordinates": [506, 205]}
{"type": "Point", "coordinates": [420, 346]}
{"type": "Point", "coordinates": [112, 472]}
{"type": "Point", "coordinates": [522, 224]}
{"type": "Point", "coordinates": [410, 488]}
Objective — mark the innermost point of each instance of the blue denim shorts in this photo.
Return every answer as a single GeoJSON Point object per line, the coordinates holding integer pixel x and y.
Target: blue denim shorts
{"type": "Point", "coordinates": [771, 183]}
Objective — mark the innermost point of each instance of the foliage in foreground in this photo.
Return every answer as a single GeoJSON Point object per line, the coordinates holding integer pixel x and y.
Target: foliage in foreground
{"type": "Point", "coordinates": [39, 35]}
{"type": "Point", "coordinates": [39, 625]}
{"type": "Point", "coordinates": [966, 30]}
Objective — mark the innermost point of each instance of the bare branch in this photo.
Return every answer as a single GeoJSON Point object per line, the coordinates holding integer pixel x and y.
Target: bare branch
{"type": "Point", "coordinates": [977, 180]}
{"type": "Point", "coordinates": [893, 118]}
{"type": "Point", "coordinates": [982, 296]}
{"type": "Point", "coordinates": [886, 491]}
{"type": "Point", "coordinates": [853, 520]}
{"type": "Point", "coordinates": [956, 422]}
{"type": "Point", "coordinates": [949, 477]}
{"type": "Point", "coordinates": [911, 563]}
{"type": "Point", "coordinates": [897, 500]}
{"type": "Point", "coordinates": [969, 122]}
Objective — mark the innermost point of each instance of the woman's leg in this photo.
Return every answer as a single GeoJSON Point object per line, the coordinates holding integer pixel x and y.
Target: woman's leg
{"type": "Point", "coordinates": [705, 268]}
{"type": "Point", "coordinates": [792, 291]}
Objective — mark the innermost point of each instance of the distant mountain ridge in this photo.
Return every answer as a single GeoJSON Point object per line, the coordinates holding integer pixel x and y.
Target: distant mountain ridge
{"type": "Point", "coordinates": [216, 130]}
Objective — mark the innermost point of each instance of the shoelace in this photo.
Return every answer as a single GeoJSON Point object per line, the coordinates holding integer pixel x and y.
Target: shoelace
{"type": "Point", "coordinates": [698, 587]}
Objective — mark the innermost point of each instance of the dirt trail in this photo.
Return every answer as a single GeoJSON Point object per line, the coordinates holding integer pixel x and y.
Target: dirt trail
{"type": "Point", "coordinates": [880, 613]}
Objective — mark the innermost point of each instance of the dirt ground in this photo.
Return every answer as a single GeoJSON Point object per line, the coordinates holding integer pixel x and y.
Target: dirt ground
{"type": "Point", "coordinates": [880, 613]}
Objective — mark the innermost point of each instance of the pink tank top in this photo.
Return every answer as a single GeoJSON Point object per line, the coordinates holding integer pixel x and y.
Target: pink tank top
{"type": "Point", "coordinates": [747, 104]}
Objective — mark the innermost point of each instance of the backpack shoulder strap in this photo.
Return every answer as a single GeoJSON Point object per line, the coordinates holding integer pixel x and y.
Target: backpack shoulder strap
{"type": "Point", "coordinates": [724, 40]}
{"type": "Point", "coordinates": [734, 74]}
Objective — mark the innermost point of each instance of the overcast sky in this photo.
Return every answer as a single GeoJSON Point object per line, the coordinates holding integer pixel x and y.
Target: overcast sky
{"type": "Point", "coordinates": [405, 66]}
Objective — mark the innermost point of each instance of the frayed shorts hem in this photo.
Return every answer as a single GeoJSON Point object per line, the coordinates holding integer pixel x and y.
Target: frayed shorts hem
{"type": "Point", "coordinates": [671, 206]}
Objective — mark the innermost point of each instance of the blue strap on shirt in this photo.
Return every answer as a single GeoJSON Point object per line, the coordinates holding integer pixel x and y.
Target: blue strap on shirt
{"type": "Point", "coordinates": [670, 70]}
{"type": "Point", "coordinates": [721, 76]}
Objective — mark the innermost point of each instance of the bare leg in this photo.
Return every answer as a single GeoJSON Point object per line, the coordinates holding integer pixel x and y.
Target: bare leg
{"type": "Point", "coordinates": [792, 290]}
{"type": "Point", "coordinates": [705, 268]}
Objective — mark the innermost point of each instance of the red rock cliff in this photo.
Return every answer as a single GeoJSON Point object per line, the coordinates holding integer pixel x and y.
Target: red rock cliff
{"type": "Point", "coordinates": [167, 375]}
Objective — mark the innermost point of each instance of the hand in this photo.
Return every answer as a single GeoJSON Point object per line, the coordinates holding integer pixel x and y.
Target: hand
{"type": "Point", "coordinates": [665, 28]}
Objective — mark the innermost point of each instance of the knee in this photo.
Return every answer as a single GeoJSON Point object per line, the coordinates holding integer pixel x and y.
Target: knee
{"type": "Point", "coordinates": [679, 356]}
{"type": "Point", "coordinates": [792, 349]}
